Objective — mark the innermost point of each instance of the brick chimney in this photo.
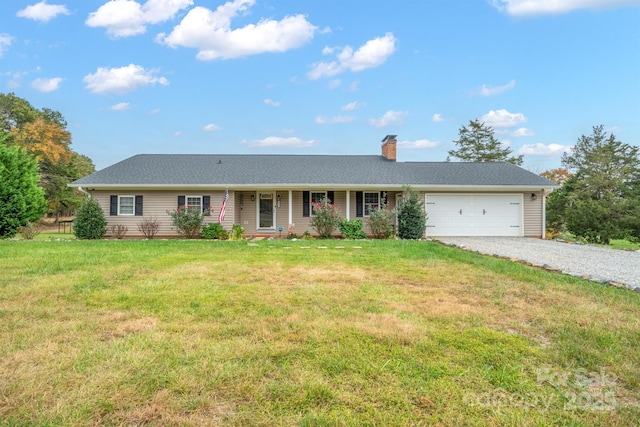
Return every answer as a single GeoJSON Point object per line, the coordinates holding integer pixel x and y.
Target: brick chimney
{"type": "Point", "coordinates": [389, 147]}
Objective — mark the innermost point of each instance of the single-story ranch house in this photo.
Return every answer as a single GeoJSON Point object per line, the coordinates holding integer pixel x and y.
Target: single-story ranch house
{"type": "Point", "coordinates": [267, 192]}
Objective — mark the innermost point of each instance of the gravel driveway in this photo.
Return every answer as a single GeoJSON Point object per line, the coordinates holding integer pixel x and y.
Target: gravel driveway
{"type": "Point", "coordinates": [598, 263]}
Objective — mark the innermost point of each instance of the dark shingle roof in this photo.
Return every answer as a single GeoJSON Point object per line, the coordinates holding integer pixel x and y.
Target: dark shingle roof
{"type": "Point", "coordinates": [241, 170]}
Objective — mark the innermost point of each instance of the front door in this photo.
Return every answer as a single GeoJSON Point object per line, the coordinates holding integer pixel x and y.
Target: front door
{"type": "Point", "coordinates": [266, 212]}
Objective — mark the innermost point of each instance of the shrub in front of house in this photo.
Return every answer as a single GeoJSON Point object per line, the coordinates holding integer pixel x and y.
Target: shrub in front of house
{"type": "Point", "coordinates": [326, 218]}
{"type": "Point", "coordinates": [212, 230]}
{"type": "Point", "coordinates": [236, 232]}
{"type": "Point", "coordinates": [352, 229]}
{"type": "Point", "coordinates": [90, 222]}
{"type": "Point", "coordinates": [381, 222]}
{"type": "Point", "coordinates": [188, 221]}
{"type": "Point", "coordinates": [412, 219]}
{"type": "Point", "coordinates": [149, 227]}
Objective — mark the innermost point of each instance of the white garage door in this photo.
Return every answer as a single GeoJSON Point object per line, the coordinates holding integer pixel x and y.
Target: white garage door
{"type": "Point", "coordinates": [474, 215]}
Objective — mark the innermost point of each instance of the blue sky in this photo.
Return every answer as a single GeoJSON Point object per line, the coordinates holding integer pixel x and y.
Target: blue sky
{"type": "Point", "coordinates": [325, 77]}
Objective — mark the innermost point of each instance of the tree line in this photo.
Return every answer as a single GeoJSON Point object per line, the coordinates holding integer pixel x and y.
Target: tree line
{"type": "Point", "coordinates": [36, 164]}
{"type": "Point", "coordinates": [599, 198]}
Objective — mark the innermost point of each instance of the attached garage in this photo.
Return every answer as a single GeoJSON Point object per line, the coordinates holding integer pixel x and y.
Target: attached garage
{"type": "Point", "coordinates": [474, 214]}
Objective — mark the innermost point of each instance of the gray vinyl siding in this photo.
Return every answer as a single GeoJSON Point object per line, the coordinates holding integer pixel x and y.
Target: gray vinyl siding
{"type": "Point", "coordinates": [156, 204]}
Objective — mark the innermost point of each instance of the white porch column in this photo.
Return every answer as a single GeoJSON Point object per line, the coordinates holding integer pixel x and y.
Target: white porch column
{"type": "Point", "coordinates": [290, 198]}
{"type": "Point", "coordinates": [348, 209]}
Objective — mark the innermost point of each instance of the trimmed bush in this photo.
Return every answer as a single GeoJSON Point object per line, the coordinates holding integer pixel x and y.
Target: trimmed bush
{"type": "Point", "coordinates": [90, 222]}
{"type": "Point", "coordinates": [212, 231]}
{"type": "Point", "coordinates": [352, 229]}
{"type": "Point", "coordinates": [412, 219]}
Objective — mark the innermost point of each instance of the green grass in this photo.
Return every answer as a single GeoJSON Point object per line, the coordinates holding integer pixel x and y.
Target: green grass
{"type": "Point", "coordinates": [307, 333]}
{"type": "Point", "coordinates": [624, 244]}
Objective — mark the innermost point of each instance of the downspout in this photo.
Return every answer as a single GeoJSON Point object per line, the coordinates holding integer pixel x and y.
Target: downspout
{"type": "Point", "coordinates": [85, 192]}
{"type": "Point", "coordinates": [544, 215]}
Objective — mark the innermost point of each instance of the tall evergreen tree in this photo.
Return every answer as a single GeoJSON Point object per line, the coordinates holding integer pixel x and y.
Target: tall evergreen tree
{"type": "Point", "coordinates": [477, 143]}
{"type": "Point", "coordinates": [603, 202]}
{"type": "Point", "coordinates": [21, 199]}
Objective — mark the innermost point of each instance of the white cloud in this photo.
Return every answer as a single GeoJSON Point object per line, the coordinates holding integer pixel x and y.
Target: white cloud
{"type": "Point", "coordinates": [177, 133]}
{"type": "Point", "coordinates": [437, 118]}
{"type": "Point", "coordinates": [46, 85]}
{"type": "Point", "coordinates": [490, 91]}
{"type": "Point", "coordinates": [322, 120]}
{"type": "Point", "coordinates": [288, 131]}
{"type": "Point", "coordinates": [389, 118]}
{"type": "Point", "coordinates": [210, 32]}
{"type": "Point", "coordinates": [540, 7]}
{"type": "Point", "coordinates": [42, 12]}
{"type": "Point", "coordinates": [211, 127]}
{"type": "Point", "coordinates": [154, 111]}
{"type": "Point", "coordinates": [125, 18]}
{"type": "Point", "coordinates": [352, 106]}
{"type": "Point", "coordinates": [370, 55]}
{"type": "Point", "coordinates": [272, 103]}
{"type": "Point", "coordinates": [354, 86]}
{"type": "Point", "coordinates": [522, 132]}
{"type": "Point", "coordinates": [15, 78]}
{"type": "Point", "coordinates": [120, 106]}
{"type": "Point", "coordinates": [544, 150]}
{"type": "Point", "coordinates": [277, 141]}
{"type": "Point", "coordinates": [122, 80]}
{"type": "Point", "coordinates": [418, 144]}
{"type": "Point", "coordinates": [5, 42]}
{"type": "Point", "coordinates": [503, 119]}
{"type": "Point", "coordinates": [334, 84]}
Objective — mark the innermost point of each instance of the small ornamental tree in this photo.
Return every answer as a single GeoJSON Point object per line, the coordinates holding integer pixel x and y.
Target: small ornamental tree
{"type": "Point", "coordinates": [90, 222]}
{"type": "Point", "coordinates": [188, 221]}
{"type": "Point", "coordinates": [21, 199]}
{"type": "Point", "coordinates": [325, 218]}
{"type": "Point", "coordinates": [412, 219]}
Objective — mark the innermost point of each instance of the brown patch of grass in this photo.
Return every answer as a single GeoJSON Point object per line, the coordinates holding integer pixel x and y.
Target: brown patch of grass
{"type": "Point", "coordinates": [119, 324]}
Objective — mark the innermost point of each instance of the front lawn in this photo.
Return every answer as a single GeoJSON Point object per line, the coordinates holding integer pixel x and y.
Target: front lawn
{"type": "Point", "coordinates": [307, 333]}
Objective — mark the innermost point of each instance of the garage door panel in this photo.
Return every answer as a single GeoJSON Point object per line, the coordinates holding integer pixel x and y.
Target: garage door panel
{"type": "Point", "coordinates": [474, 215]}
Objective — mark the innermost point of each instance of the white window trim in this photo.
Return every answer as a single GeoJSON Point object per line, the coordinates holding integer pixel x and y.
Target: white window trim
{"type": "Point", "coordinates": [133, 205]}
{"type": "Point", "coordinates": [311, 202]}
{"type": "Point", "coordinates": [186, 201]}
{"type": "Point", "coordinates": [364, 203]}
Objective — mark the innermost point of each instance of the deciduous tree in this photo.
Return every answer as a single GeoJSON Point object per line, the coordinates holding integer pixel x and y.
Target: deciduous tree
{"type": "Point", "coordinates": [477, 143]}
{"type": "Point", "coordinates": [43, 133]}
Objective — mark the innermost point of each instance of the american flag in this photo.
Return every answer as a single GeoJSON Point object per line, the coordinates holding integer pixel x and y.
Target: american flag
{"type": "Point", "coordinates": [223, 207]}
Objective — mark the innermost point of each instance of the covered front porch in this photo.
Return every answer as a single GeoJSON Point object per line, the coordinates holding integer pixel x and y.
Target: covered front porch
{"type": "Point", "coordinates": [274, 212]}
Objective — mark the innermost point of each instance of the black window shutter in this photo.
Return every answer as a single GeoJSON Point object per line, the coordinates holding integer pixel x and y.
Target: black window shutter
{"type": "Point", "coordinates": [359, 204]}
{"type": "Point", "coordinates": [206, 202]}
{"type": "Point", "coordinates": [181, 201]}
{"type": "Point", "coordinates": [113, 205]}
{"type": "Point", "coordinates": [305, 203]}
{"type": "Point", "coordinates": [138, 205]}
{"type": "Point", "coordinates": [330, 197]}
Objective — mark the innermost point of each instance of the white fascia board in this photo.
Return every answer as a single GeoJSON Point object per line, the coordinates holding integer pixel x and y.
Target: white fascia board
{"type": "Point", "coordinates": [302, 186]}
